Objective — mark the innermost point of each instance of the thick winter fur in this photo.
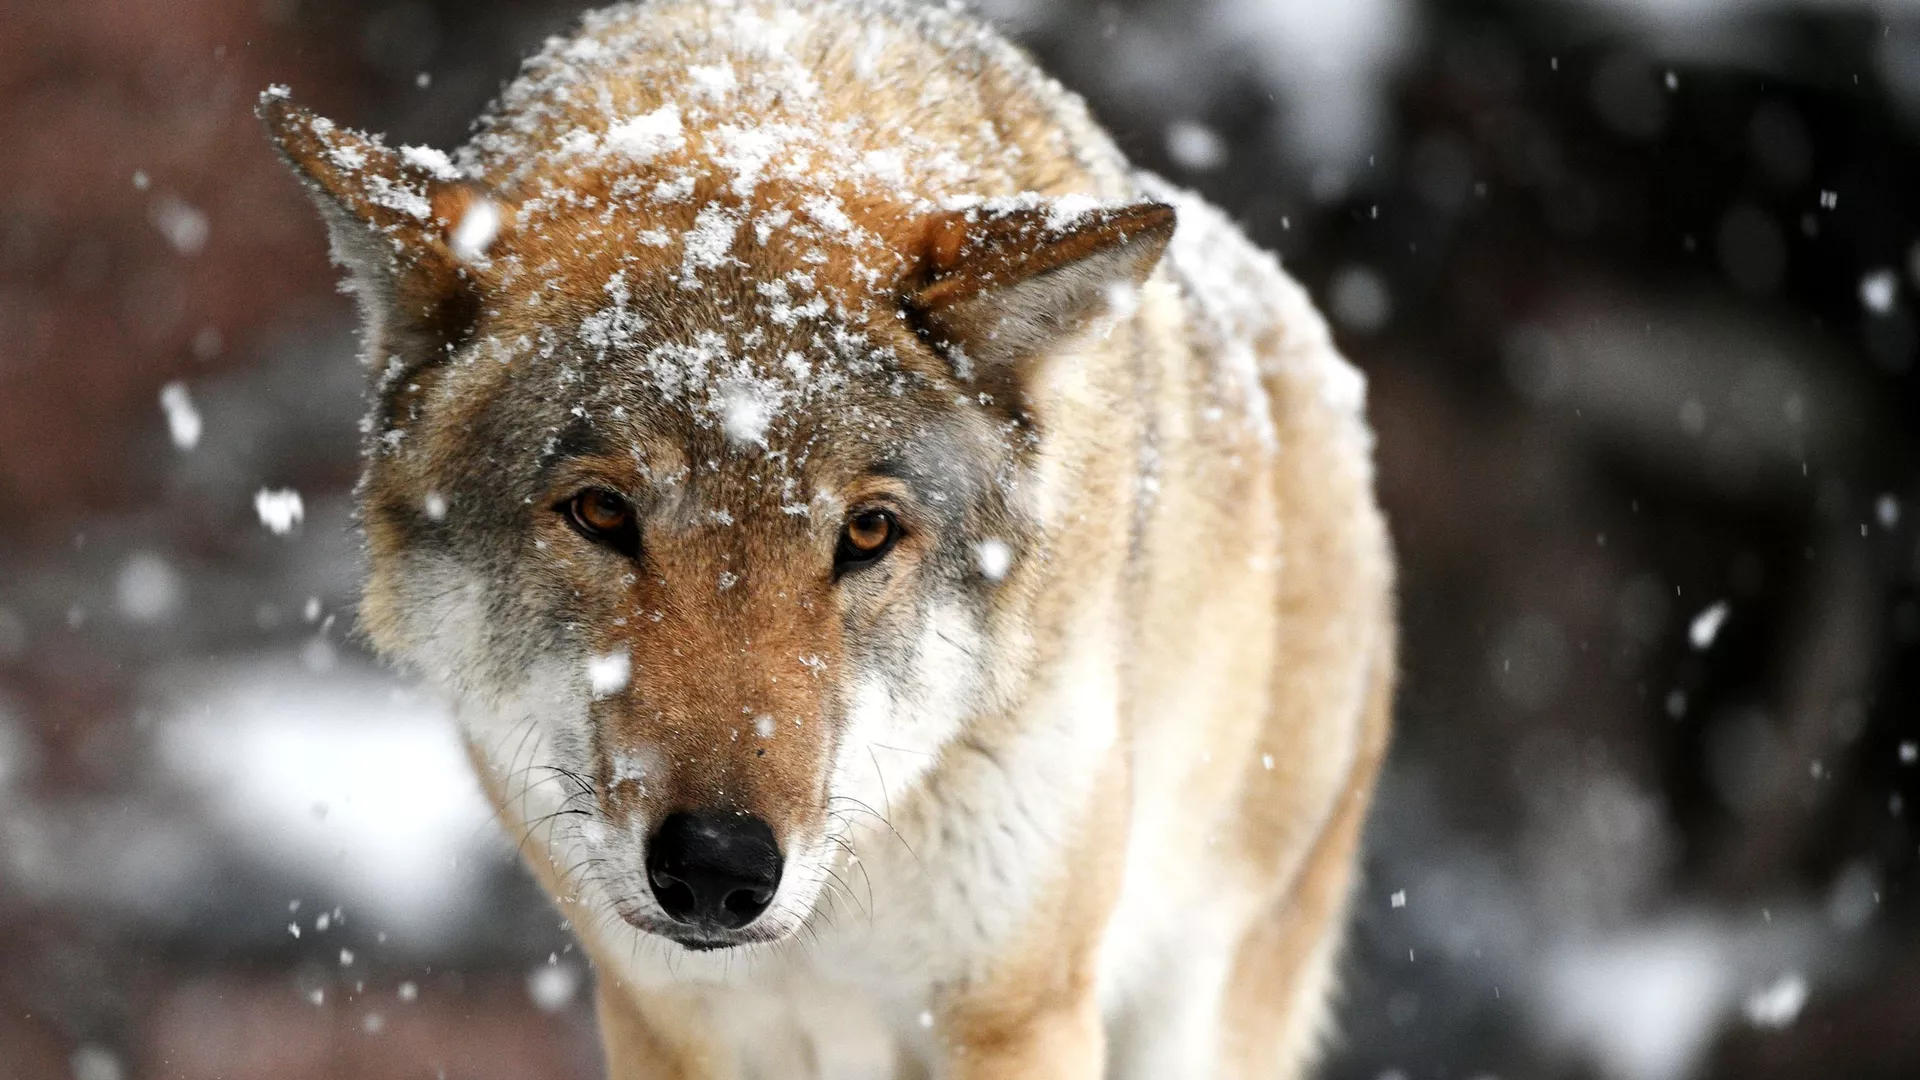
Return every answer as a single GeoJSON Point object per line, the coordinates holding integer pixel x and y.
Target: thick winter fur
{"type": "Point", "coordinates": [1069, 784]}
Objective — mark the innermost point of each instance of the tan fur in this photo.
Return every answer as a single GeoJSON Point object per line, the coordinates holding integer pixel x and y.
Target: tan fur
{"type": "Point", "coordinates": [1132, 856]}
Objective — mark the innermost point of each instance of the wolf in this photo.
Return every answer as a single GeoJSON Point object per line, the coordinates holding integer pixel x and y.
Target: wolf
{"type": "Point", "coordinates": [910, 582]}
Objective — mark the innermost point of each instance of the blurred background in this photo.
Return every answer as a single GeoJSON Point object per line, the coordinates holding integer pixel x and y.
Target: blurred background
{"type": "Point", "coordinates": [1635, 283]}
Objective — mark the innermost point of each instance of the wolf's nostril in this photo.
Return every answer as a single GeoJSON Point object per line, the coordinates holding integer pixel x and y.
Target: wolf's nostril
{"type": "Point", "coordinates": [674, 896]}
{"type": "Point", "coordinates": [747, 904]}
{"type": "Point", "coordinates": [713, 867]}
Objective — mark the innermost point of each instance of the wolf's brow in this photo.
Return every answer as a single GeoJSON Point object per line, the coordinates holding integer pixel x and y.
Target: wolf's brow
{"type": "Point", "coordinates": [576, 439]}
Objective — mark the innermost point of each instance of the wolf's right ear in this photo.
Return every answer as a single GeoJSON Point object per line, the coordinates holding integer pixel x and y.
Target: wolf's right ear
{"type": "Point", "coordinates": [411, 232]}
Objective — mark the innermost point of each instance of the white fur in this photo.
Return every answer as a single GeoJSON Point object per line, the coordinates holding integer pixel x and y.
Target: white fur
{"type": "Point", "coordinates": [891, 741]}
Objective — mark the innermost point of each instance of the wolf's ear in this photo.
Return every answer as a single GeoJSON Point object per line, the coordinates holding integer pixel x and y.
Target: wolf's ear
{"type": "Point", "coordinates": [1001, 285]}
{"type": "Point", "coordinates": [412, 234]}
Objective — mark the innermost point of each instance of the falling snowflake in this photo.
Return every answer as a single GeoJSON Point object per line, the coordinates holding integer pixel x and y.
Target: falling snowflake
{"type": "Point", "coordinates": [280, 510]}
{"type": "Point", "coordinates": [185, 227]}
{"type": "Point", "coordinates": [994, 557]}
{"type": "Point", "coordinates": [148, 587]}
{"type": "Point", "coordinates": [478, 226]}
{"type": "Point", "coordinates": [552, 985]}
{"type": "Point", "coordinates": [1878, 289]}
{"type": "Point", "coordinates": [1359, 300]}
{"type": "Point", "coordinates": [1195, 147]}
{"type": "Point", "coordinates": [745, 413]}
{"type": "Point", "coordinates": [183, 420]}
{"type": "Point", "coordinates": [1706, 625]}
{"type": "Point", "coordinates": [1777, 1004]}
{"type": "Point", "coordinates": [608, 674]}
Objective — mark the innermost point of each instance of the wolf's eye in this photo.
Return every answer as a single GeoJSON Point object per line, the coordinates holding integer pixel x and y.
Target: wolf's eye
{"type": "Point", "coordinates": [868, 535]}
{"type": "Point", "coordinates": [604, 518]}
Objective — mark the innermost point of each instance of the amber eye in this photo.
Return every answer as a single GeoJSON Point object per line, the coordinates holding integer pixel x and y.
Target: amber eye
{"type": "Point", "coordinates": [868, 535]}
{"type": "Point", "coordinates": [604, 518]}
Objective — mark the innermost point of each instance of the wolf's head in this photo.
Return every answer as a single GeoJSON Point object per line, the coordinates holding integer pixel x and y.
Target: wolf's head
{"type": "Point", "coordinates": [704, 469]}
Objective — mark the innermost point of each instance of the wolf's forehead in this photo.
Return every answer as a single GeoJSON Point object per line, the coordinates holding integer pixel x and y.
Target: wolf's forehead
{"type": "Point", "coordinates": [728, 255]}
{"type": "Point", "coordinates": [752, 384]}
{"type": "Point", "coordinates": [818, 405]}
{"type": "Point", "coordinates": [728, 424]}
{"type": "Point", "coordinates": [735, 298]}
{"type": "Point", "coordinates": [729, 191]}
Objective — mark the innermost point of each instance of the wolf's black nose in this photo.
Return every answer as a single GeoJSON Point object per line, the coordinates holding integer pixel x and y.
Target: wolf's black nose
{"type": "Point", "coordinates": [714, 867]}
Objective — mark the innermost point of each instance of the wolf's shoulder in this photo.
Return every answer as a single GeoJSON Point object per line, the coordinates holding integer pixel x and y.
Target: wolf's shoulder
{"type": "Point", "coordinates": [1245, 307]}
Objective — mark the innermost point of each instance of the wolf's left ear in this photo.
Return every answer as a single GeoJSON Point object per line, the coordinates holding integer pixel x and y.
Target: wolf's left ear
{"type": "Point", "coordinates": [1002, 285]}
{"type": "Point", "coordinates": [412, 234]}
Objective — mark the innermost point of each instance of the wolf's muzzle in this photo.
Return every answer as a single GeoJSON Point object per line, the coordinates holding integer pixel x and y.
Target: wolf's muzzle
{"type": "Point", "coordinates": [713, 869]}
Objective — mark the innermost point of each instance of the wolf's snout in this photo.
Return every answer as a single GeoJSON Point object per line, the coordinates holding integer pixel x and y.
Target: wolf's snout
{"type": "Point", "coordinates": [713, 868]}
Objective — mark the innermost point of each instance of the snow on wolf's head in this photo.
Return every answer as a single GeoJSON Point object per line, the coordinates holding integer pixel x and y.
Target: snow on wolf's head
{"type": "Point", "coordinates": [701, 458]}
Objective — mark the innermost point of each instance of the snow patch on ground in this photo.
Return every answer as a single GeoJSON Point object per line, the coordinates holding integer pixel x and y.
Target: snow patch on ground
{"type": "Point", "coordinates": [343, 777]}
{"type": "Point", "coordinates": [1643, 1005]}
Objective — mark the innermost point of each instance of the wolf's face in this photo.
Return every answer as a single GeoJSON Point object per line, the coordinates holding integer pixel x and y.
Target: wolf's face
{"type": "Point", "coordinates": [717, 514]}
{"type": "Point", "coordinates": [736, 572]}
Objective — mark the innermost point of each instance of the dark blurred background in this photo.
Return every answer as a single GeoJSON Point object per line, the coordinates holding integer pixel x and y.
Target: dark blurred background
{"type": "Point", "coordinates": [1635, 284]}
